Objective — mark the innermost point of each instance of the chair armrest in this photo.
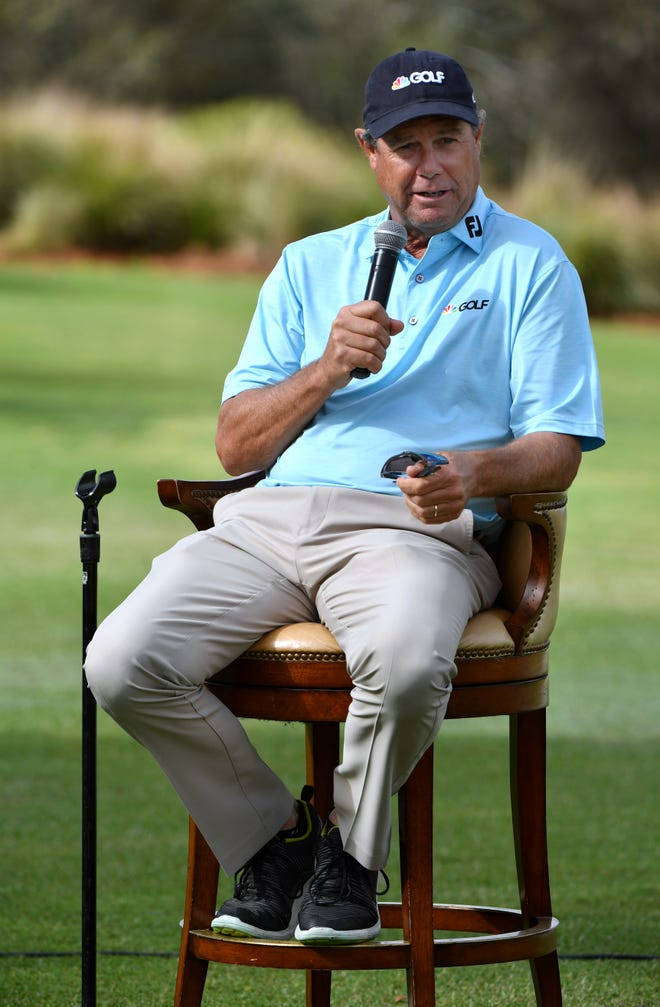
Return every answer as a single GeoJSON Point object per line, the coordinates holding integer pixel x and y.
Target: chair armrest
{"type": "Point", "coordinates": [544, 514]}
{"type": "Point", "coordinates": [197, 499]}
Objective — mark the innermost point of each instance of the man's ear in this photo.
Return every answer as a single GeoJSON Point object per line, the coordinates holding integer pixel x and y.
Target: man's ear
{"type": "Point", "coordinates": [368, 149]}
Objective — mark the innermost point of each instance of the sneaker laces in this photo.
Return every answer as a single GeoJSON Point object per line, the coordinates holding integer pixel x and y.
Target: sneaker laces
{"type": "Point", "coordinates": [339, 877]}
{"type": "Point", "coordinates": [265, 872]}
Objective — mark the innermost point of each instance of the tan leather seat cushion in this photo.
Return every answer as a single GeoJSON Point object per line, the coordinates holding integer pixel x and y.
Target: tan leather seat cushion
{"type": "Point", "coordinates": [484, 635]}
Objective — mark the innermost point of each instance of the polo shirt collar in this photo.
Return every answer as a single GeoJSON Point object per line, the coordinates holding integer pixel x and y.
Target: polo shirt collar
{"type": "Point", "coordinates": [469, 230]}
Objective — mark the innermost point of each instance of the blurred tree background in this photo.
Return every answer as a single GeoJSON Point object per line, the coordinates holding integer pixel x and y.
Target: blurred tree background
{"type": "Point", "coordinates": [579, 77]}
{"type": "Point", "coordinates": [570, 90]}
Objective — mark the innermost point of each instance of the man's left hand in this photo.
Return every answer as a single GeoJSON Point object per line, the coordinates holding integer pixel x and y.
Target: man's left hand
{"type": "Point", "coordinates": [538, 461]}
{"type": "Point", "coordinates": [440, 496]}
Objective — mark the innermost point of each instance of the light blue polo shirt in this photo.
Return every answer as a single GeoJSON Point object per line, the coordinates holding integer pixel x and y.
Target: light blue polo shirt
{"type": "Point", "coordinates": [496, 345]}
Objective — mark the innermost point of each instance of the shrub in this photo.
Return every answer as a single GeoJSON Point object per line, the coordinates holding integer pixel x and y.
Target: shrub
{"type": "Point", "coordinates": [135, 176]}
{"type": "Point", "coordinates": [245, 173]}
{"type": "Point", "coordinates": [255, 175]}
{"type": "Point", "coordinates": [611, 236]}
{"type": "Point", "coordinates": [47, 218]}
{"type": "Point", "coordinates": [25, 161]}
{"type": "Point", "coordinates": [603, 271]}
{"type": "Point", "coordinates": [144, 212]}
{"type": "Point", "coordinates": [282, 177]}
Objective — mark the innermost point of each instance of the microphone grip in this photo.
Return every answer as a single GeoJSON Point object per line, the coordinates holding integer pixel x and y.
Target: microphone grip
{"type": "Point", "coordinates": [378, 288]}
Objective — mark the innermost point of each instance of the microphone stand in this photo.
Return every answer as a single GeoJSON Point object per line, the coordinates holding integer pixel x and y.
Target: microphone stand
{"type": "Point", "coordinates": [89, 490]}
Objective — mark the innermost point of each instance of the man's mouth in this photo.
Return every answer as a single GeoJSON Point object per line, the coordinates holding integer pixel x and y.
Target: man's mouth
{"type": "Point", "coordinates": [431, 193]}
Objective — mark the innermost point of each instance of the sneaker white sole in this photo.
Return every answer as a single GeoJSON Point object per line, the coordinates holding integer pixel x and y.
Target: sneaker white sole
{"type": "Point", "coordinates": [232, 926]}
{"type": "Point", "coordinates": [326, 935]}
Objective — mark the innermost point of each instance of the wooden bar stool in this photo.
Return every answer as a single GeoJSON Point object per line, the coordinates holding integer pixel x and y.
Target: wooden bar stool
{"type": "Point", "coordinates": [298, 673]}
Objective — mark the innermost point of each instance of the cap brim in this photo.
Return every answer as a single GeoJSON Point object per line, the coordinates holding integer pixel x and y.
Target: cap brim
{"type": "Point", "coordinates": [417, 110]}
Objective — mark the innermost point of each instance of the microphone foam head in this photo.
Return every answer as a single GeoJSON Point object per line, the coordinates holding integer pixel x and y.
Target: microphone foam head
{"type": "Point", "coordinates": [390, 234]}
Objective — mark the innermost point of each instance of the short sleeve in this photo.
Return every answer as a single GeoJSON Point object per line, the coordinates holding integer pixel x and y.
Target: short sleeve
{"type": "Point", "coordinates": [554, 376]}
{"type": "Point", "coordinates": [275, 340]}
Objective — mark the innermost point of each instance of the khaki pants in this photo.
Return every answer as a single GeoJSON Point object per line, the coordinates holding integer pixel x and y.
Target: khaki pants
{"type": "Point", "coordinates": [395, 593]}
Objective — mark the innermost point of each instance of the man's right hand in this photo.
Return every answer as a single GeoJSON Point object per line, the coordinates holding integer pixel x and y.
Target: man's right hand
{"type": "Point", "coordinates": [359, 337]}
{"type": "Point", "coordinates": [258, 424]}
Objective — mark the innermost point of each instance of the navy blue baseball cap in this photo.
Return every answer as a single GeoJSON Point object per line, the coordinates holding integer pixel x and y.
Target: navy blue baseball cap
{"type": "Point", "coordinates": [415, 83]}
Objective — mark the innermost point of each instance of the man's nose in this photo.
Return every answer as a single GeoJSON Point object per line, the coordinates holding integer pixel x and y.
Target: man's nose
{"type": "Point", "coordinates": [430, 163]}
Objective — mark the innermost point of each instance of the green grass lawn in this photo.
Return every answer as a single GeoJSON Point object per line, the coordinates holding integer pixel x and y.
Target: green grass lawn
{"type": "Point", "coordinates": [105, 367]}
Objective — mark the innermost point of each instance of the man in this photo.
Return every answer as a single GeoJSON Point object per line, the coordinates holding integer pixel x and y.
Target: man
{"type": "Point", "coordinates": [485, 355]}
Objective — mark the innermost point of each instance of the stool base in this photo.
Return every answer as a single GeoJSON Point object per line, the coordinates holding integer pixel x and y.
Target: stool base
{"type": "Point", "coordinates": [502, 937]}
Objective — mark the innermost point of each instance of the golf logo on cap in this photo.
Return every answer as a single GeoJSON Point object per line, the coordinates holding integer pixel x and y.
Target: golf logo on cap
{"type": "Point", "coordinates": [419, 77]}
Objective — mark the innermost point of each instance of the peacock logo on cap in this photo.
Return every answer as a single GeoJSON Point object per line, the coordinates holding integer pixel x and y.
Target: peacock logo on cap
{"type": "Point", "coordinates": [400, 82]}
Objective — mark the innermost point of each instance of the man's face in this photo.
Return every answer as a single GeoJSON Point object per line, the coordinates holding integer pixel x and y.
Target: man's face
{"type": "Point", "coordinates": [428, 169]}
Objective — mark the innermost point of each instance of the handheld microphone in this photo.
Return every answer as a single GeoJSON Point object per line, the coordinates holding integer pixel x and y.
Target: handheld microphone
{"type": "Point", "coordinates": [389, 238]}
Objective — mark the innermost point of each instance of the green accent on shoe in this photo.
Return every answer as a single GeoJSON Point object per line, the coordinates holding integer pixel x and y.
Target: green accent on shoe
{"type": "Point", "coordinates": [303, 807]}
{"type": "Point", "coordinates": [268, 888]}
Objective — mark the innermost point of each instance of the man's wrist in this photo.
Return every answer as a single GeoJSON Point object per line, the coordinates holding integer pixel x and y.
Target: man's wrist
{"type": "Point", "coordinates": [468, 465]}
{"type": "Point", "coordinates": [326, 378]}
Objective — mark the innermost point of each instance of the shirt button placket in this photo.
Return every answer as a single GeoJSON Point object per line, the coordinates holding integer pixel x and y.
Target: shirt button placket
{"type": "Point", "coordinates": [413, 320]}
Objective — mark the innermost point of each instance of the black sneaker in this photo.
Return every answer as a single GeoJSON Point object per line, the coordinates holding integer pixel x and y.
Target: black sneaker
{"type": "Point", "coordinates": [340, 904]}
{"type": "Point", "coordinates": [267, 889]}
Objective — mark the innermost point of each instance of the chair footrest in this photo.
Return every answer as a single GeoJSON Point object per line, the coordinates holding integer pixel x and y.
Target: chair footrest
{"type": "Point", "coordinates": [501, 937]}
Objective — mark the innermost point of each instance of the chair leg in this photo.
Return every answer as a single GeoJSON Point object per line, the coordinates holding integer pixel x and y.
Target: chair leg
{"type": "Point", "coordinates": [416, 845]}
{"type": "Point", "coordinates": [322, 750]}
{"type": "Point", "coordinates": [547, 980]}
{"type": "Point", "coordinates": [201, 893]}
{"type": "Point", "coordinates": [317, 988]}
{"type": "Point", "coordinates": [528, 806]}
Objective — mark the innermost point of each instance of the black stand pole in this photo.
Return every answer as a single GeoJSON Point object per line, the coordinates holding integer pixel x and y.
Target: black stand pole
{"type": "Point", "coordinates": [89, 490]}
